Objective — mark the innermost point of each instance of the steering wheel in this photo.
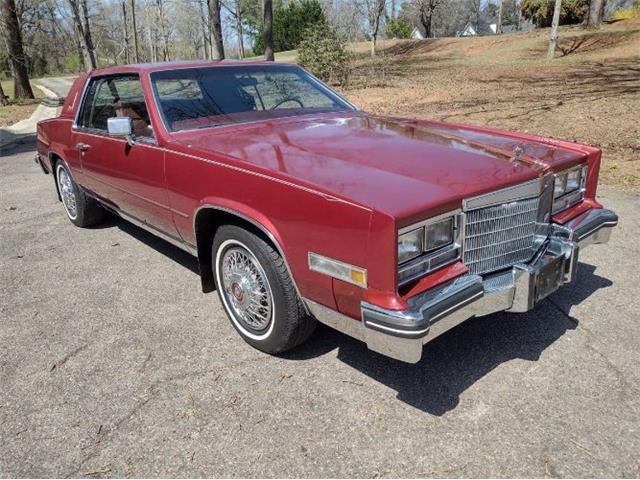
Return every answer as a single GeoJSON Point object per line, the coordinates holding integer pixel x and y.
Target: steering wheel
{"type": "Point", "coordinates": [290, 99]}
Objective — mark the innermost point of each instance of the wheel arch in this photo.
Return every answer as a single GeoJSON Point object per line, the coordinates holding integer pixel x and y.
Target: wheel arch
{"type": "Point", "coordinates": [209, 217]}
{"type": "Point", "coordinates": [54, 158]}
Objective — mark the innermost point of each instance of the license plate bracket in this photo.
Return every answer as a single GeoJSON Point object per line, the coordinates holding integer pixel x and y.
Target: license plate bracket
{"type": "Point", "coordinates": [549, 278]}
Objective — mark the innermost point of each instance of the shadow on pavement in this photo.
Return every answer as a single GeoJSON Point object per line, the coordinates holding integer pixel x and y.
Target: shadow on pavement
{"type": "Point", "coordinates": [456, 360]}
{"type": "Point", "coordinates": [451, 363]}
{"type": "Point", "coordinates": [13, 144]}
{"type": "Point", "coordinates": [165, 248]}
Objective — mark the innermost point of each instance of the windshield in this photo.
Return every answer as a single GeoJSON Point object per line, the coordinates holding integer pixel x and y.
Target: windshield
{"type": "Point", "coordinates": [204, 97]}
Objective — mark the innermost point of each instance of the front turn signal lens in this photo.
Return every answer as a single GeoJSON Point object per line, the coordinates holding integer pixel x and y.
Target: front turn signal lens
{"type": "Point", "coordinates": [337, 269]}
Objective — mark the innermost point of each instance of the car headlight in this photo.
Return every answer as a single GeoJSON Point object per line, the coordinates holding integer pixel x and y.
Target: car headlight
{"type": "Point", "coordinates": [427, 246]}
{"type": "Point", "coordinates": [410, 245]}
{"type": "Point", "coordinates": [438, 234]}
{"type": "Point", "coordinates": [569, 187]}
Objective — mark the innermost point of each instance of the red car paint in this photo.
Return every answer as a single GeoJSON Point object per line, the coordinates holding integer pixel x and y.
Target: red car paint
{"type": "Point", "coordinates": [338, 184]}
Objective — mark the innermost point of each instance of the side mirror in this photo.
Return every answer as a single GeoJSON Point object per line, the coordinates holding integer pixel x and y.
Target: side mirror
{"type": "Point", "coordinates": [121, 127]}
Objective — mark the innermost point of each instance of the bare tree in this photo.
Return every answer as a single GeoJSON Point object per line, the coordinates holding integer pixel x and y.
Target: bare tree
{"type": "Point", "coordinates": [268, 30]}
{"type": "Point", "coordinates": [425, 11]}
{"type": "Point", "coordinates": [500, 13]}
{"type": "Point", "coordinates": [164, 28]}
{"type": "Point", "coordinates": [13, 37]}
{"type": "Point", "coordinates": [594, 18]}
{"type": "Point", "coordinates": [4, 100]}
{"type": "Point", "coordinates": [236, 14]}
{"type": "Point", "coordinates": [125, 32]}
{"type": "Point", "coordinates": [553, 37]}
{"type": "Point", "coordinates": [204, 24]}
{"type": "Point", "coordinates": [84, 32]}
{"type": "Point", "coordinates": [217, 42]}
{"type": "Point", "coordinates": [136, 56]}
{"type": "Point", "coordinates": [374, 11]}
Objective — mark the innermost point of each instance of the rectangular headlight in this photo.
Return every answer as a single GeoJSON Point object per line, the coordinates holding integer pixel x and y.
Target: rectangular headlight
{"type": "Point", "coordinates": [569, 187]}
{"type": "Point", "coordinates": [410, 245]}
{"type": "Point", "coordinates": [439, 234]}
{"type": "Point", "coordinates": [427, 246]}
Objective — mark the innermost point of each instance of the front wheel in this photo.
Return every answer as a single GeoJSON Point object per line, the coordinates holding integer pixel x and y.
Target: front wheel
{"type": "Point", "coordinates": [257, 292]}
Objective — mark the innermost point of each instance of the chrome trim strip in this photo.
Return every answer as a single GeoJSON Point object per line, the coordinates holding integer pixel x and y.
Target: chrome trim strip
{"type": "Point", "coordinates": [74, 125]}
{"type": "Point", "coordinates": [336, 320]}
{"type": "Point", "coordinates": [396, 331]}
{"type": "Point", "coordinates": [528, 189]}
{"type": "Point", "coordinates": [157, 232]}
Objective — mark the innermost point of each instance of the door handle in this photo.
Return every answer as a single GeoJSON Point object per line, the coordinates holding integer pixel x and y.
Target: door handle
{"type": "Point", "coordinates": [83, 147]}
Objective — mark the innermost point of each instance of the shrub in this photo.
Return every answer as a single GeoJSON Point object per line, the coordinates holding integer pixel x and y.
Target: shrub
{"type": "Point", "coordinates": [399, 28]}
{"type": "Point", "coordinates": [290, 22]}
{"type": "Point", "coordinates": [540, 12]}
{"type": "Point", "coordinates": [322, 53]}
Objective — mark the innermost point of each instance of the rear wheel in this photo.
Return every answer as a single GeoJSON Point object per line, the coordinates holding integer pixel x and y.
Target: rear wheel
{"type": "Point", "coordinates": [82, 210]}
{"type": "Point", "coordinates": [257, 292]}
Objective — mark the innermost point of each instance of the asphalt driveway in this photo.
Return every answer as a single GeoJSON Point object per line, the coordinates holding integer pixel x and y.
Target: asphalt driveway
{"type": "Point", "coordinates": [113, 363]}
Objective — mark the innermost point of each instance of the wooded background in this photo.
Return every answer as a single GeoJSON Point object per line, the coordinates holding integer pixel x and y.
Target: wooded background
{"type": "Point", "coordinates": [45, 37]}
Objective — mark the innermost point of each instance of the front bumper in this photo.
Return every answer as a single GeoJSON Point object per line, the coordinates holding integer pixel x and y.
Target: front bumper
{"type": "Point", "coordinates": [401, 334]}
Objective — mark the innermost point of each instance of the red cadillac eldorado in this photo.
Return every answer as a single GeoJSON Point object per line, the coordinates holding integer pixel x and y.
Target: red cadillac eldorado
{"type": "Point", "coordinates": [300, 207]}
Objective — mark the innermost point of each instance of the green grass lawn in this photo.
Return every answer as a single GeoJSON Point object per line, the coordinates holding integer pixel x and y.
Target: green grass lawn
{"type": "Point", "coordinates": [290, 56]}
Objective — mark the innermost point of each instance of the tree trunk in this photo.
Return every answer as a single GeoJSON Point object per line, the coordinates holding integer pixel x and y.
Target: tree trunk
{"type": "Point", "coordinates": [374, 41]}
{"type": "Point", "coordinates": [239, 29]}
{"type": "Point", "coordinates": [151, 38]}
{"type": "Point", "coordinates": [268, 30]}
{"type": "Point", "coordinates": [21, 85]}
{"type": "Point", "coordinates": [125, 31]}
{"type": "Point", "coordinates": [88, 58]}
{"type": "Point", "coordinates": [162, 23]}
{"type": "Point", "coordinates": [4, 100]}
{"type": "Point", "coordinates": [136, 56]}
{"type": "Point", "coordinates": [595, 13]}
{"type": "Point", "coordinates": [553, 37]}
{"type": "Point", "coordinates": [217, 44]}
{"type": "Point", "coordinates": [205, 35]}
{"type": "Point", "coordinates": [426, 20]}
{"type": "Point", "coordinates": [500, 13]}
{"type": "Point", "coordinates": [87, 34]}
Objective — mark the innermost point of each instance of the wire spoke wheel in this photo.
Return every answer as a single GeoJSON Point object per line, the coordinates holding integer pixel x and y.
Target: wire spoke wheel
{"type": "Point", "coordinates": [246, 289]}
{"type": "Point", "coordinates": [67, 192]}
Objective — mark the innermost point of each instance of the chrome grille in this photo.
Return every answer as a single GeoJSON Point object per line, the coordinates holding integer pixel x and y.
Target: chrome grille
{"type": "Point", "coordinates": [500, 236]}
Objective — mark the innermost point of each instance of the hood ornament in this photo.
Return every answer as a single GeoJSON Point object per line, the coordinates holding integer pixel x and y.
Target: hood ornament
{"type": "Point", "coordinates": [517, 153]}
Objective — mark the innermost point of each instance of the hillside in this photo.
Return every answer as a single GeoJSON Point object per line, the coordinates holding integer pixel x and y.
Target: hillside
{"type": "Point", "coordinates": [590, 93]}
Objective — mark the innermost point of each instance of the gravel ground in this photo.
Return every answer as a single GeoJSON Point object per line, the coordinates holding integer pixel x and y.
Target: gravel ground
{"type": "Point", "coordinates": [113, 363]}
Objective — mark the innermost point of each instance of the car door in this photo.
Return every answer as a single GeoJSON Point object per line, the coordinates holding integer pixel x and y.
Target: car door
{"type": "Point", "coordinates": [131, 178]}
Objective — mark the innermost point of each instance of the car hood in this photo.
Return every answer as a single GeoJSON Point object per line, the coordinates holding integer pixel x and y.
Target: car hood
{"type": "Point", "coordinates": [406, 168]}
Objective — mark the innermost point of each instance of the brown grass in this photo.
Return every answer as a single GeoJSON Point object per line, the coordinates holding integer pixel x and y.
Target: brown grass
{"type": "Point", "coordinates": [590, 93]}
{"type": "Point", "coordinates": [18, 109]}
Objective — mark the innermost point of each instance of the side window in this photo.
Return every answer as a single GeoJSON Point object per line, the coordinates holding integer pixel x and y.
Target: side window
{"type": "Point", "coordinates": [116, 97]}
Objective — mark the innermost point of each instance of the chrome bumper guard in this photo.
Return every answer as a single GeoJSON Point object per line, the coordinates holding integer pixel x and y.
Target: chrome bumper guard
{"type": "Point", "coordinates": [401, 334]}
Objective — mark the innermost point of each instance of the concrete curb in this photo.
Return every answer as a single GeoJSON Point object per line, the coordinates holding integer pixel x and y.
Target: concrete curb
{"type": "Point", "coordinates": [48, 108]}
